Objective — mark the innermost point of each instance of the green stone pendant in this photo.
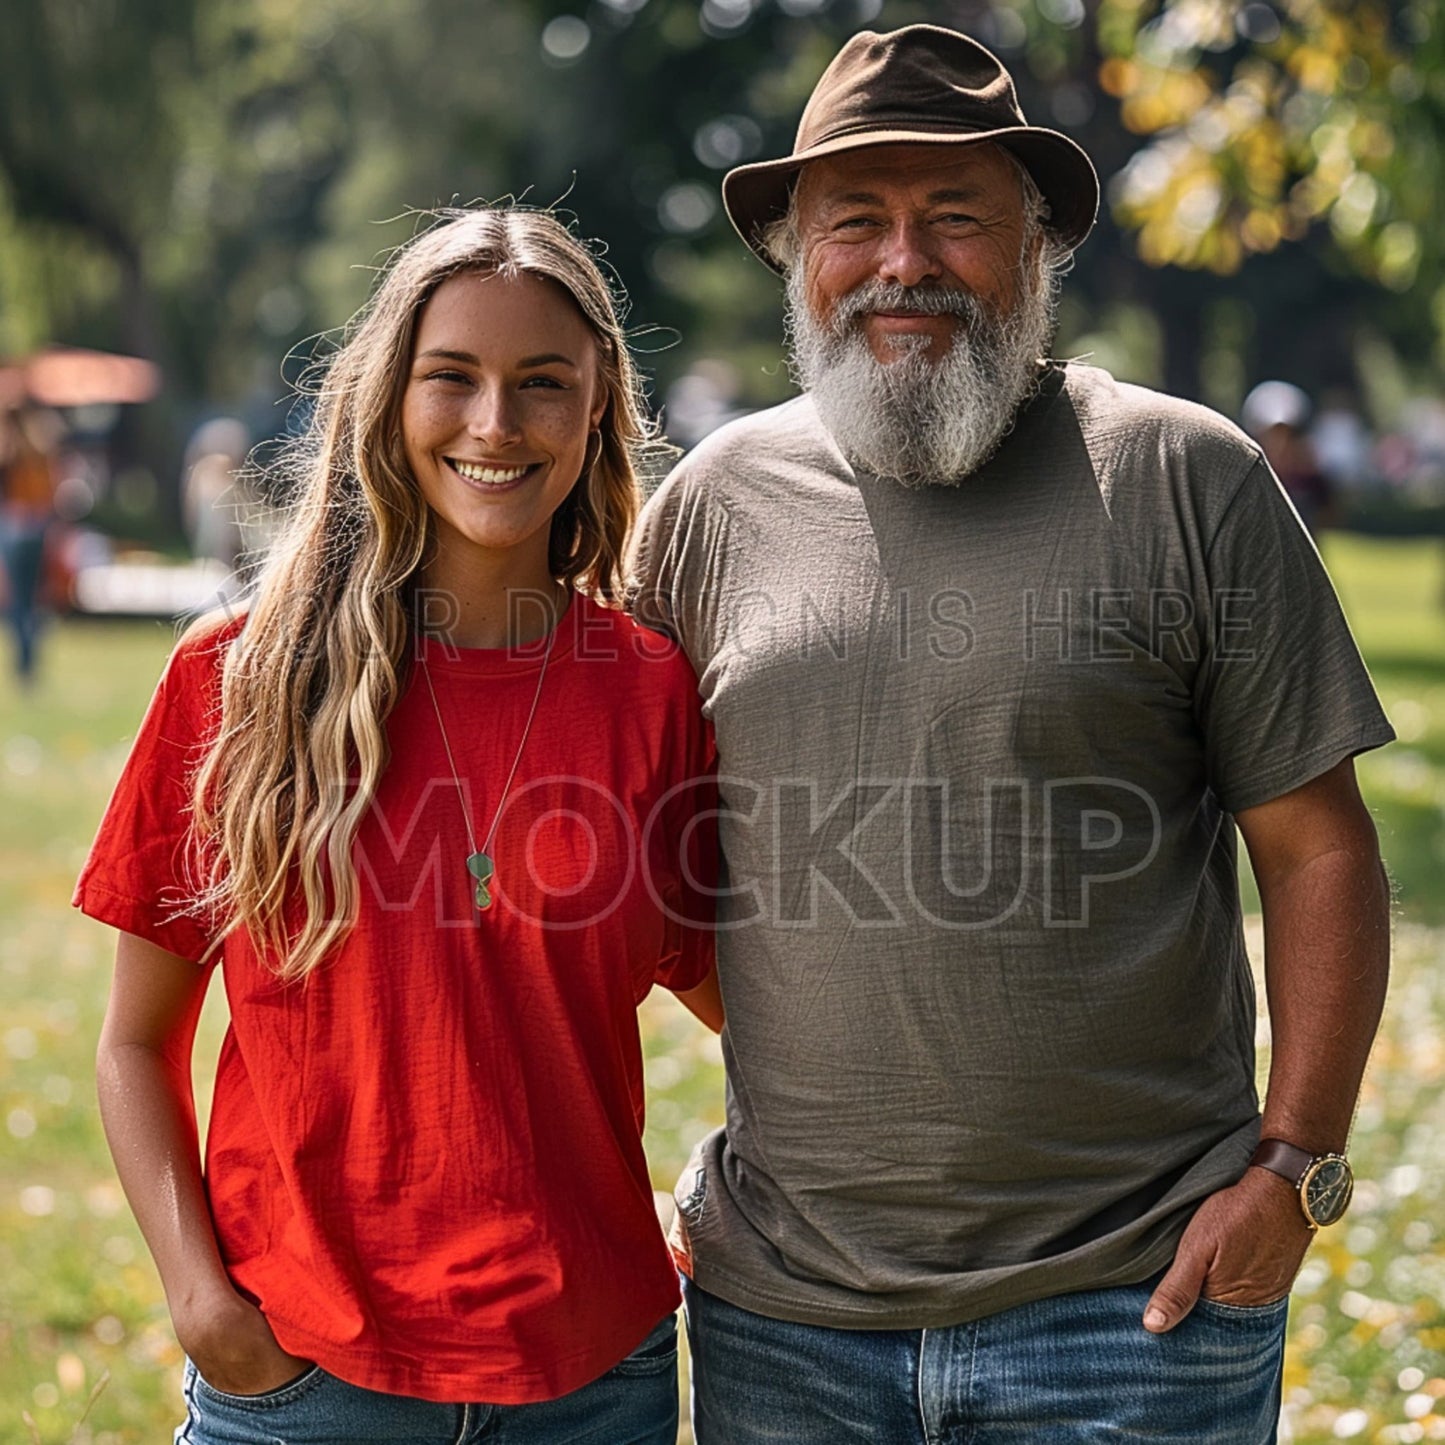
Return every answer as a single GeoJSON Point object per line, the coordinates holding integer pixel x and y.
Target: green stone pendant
{"type": "Point", "coordinates": [481, 868]}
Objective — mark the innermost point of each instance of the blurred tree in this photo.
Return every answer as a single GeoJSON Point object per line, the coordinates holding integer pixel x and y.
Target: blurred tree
{"type": "Point", "coordinates": [165, 155]}
{"type": "Point", "coordinates": [1263, 121]}
{"type": "Point", "coordinates": [199, 180]}
{"type": "Point", "coordinates": [1303, 137]}
{"type": "Point", "coordinates": [70, 106]}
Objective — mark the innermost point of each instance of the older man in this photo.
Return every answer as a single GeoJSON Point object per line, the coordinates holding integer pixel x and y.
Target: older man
{"type": "Point", "coordinates": [1001, 655]}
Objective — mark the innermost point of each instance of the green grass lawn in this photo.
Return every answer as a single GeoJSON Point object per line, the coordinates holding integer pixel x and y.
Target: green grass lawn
{"type": "Point", "coordinates": [79, 1299]}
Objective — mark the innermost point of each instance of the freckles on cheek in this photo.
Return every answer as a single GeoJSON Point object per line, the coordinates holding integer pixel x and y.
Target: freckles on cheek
{"type": "Point", "coordinates": [419, 418]}
{"type": "Point", "coordinates": [415, 436]}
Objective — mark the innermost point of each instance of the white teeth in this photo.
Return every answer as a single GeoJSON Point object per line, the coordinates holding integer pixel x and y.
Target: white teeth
{"type": "Point", "coordinates": [488, 474]}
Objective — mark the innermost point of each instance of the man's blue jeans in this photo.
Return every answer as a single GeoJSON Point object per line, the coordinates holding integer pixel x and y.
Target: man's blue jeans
{"type": "Point", "coordinates": [635, 1403]}
{"type": "Point", "coordinates": [1079, 1369]}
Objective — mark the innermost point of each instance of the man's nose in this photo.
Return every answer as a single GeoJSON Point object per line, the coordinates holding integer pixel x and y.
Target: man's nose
{"type": "Point", "coordinates": [493, 417]}
{"type": "Point", "coordinates": [908, 257]}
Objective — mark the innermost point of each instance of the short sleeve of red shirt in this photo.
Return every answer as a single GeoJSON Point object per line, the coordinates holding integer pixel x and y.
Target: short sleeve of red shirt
{"type": "Point", "coordinates": [140, 870]}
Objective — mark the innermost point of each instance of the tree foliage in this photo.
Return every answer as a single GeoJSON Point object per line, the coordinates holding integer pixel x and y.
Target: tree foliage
{"type": "Point", "coordinates": [1262, 122]}
{"type": "Point", "coordinates": [200, 181]}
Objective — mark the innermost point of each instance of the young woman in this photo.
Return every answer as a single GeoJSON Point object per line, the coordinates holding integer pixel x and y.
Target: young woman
{"type": "Point", "coordinates": [434, 809]}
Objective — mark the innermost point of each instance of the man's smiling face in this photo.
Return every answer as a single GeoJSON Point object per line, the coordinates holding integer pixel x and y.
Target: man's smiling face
{"type": "Point", "coordinates": [946, 216]}
{"type": "Point", "coordinates": [921, 284]}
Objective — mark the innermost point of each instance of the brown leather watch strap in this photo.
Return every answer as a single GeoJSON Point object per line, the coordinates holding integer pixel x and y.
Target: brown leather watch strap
{"type": "Point", "coordinates": [1287, 1160]}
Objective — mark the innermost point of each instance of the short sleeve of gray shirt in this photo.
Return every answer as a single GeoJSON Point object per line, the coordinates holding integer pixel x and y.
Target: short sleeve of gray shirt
{"type": "Point", "coordinates": [1281, 693]}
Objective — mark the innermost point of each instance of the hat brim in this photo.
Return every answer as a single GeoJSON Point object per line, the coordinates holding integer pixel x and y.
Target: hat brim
{"type": "Point", "coordinates": [756, 195]}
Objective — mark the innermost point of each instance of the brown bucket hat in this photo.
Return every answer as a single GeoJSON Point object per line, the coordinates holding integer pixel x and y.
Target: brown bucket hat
{"type": "Point", "coordinates": [922, 84]}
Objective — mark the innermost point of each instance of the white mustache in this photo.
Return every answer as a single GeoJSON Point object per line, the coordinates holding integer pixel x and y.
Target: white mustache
{"type": "Point", "coordinates": [894, 296]}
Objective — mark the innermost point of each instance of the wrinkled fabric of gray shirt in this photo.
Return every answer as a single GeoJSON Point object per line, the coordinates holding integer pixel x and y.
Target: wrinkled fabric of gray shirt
{"type": "Point", "coordinates": [991, 1022]}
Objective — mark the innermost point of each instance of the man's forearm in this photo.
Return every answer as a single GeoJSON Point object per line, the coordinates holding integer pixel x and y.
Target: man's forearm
{"type": "Point", "coordinates": [1326, 904]}
{"type": "Point", "coordinates": [1327, 949]}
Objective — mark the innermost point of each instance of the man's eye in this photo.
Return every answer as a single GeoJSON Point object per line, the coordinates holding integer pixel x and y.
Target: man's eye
{"type": "Point", "coordinates": [958, 218]}
{"type": "Point", "coordinates": [853, 223]}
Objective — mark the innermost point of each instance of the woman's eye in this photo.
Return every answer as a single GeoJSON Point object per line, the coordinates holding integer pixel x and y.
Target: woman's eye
{"type": "Point", "coordinates": [451, 376]}
{"type": "Point", "coordinates": [544, 381]}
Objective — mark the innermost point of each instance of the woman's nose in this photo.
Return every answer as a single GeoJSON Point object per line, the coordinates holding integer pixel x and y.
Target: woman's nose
{"type": "Point", "coordinates": [493, 417]}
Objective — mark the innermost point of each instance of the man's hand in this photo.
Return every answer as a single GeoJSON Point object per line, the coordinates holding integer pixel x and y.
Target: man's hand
{"type": "Point", "coordinates": [1244, 1246]}
{"type": "Point", "coordinates": [232, 1347]}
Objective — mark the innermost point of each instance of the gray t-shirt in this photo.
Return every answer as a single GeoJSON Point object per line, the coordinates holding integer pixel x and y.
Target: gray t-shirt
{"type": "Point", "coordinates": [990, 1020]}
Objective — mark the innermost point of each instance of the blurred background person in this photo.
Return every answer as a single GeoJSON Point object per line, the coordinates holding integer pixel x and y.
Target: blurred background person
{"type": "Point", "coordinates": [1343, 443]}
{"type": "Point", "coordinates": [28, 437]}
{"type": "Point", "coordinates": [1275, 415]}
{"type": "Point", "coordinates": [218, 505]}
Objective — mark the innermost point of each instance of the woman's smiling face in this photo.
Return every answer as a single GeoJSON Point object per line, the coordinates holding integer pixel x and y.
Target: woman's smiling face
{"type": "Point", "coordinates": [502, 394]}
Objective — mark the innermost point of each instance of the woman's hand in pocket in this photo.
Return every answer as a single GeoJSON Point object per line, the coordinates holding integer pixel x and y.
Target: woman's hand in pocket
{"type": "Point", "coordinates": [231, 1345]}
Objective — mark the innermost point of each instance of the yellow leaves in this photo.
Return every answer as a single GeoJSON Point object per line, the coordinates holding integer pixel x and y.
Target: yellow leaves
{"type": "Point", "coordinates": [1166, 98]}
{"type": "Point", "coordinates": [1315, 70]}
{"type": "Point", "coordinates": [1355, 206]}
{"type": "Point", "coordinates": [1114, 15]}
{"type": "Point", "coordinates": [1372, 141]}
{"type": "Point", "coordinates": [1118, 77]}
{"type": "Point", "coordinates": [1297, 132]}
{"type": "Point", "coordinates": [1340, 49]}
{"type": "Point", "coordinates": [1209, 194]}
{"type": "Point", "coordinates": [1398, 255]}
{"type": "Point", "coordinates": [1261, 230]}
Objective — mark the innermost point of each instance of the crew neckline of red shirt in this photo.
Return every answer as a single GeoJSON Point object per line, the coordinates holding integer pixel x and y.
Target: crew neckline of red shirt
{"type": "Point", "coordinates": [509, 661]}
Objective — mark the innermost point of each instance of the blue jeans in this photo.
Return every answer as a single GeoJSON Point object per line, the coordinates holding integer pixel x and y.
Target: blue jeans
{"type": "Point", "coordinates": [634, 1403]}
{"type": "Point", "coordinates": [1079, 1369]}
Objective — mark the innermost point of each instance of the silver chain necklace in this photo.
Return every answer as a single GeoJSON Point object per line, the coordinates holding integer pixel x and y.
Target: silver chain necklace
{"type": "Point", "coordinates": [480, 865]}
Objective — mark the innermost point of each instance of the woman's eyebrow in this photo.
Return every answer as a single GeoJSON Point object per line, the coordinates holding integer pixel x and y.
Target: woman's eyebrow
{"type": "Point", "coordinates": [549, 358]}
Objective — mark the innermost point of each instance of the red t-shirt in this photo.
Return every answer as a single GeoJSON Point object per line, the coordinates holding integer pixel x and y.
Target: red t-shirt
{"type": "Point", "coordinates": [425, 1163]}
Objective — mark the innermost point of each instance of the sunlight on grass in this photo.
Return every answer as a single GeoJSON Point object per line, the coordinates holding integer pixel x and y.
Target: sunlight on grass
{"type": "Point", "coordinates": [1367, 1348]}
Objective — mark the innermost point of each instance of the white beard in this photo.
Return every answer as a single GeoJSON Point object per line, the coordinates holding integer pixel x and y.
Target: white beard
{"type": "Point", "coordinates": [920, 422]}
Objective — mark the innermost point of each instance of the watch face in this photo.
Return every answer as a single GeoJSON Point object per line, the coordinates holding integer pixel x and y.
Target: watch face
{"type": "Point", "coordinates": [1326, 1189]}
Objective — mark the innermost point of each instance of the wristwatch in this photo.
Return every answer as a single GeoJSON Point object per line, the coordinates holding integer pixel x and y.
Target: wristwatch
{"type": "Point", "coordinates": [1325, 1181]}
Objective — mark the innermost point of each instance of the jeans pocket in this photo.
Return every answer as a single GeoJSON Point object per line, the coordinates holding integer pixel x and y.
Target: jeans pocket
{"type": "Point", "coordinates": [1267, 1313]}
{"type": "Point", "coordinates": [281, 1396]}
{"type": "Point", "coordinates": [656, 1354]}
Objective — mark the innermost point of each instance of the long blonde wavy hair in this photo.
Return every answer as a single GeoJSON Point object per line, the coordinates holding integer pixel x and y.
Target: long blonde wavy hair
{"type": "Point", "coordinates": [308, 684]}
